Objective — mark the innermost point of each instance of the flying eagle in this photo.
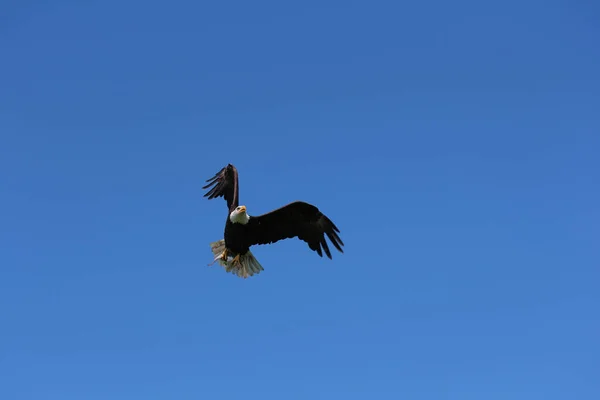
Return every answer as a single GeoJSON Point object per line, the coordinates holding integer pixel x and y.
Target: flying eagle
{"type": "Point", "coordinates": [296, 219]}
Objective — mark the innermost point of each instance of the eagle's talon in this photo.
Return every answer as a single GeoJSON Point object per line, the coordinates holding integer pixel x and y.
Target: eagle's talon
{"type": "Point", "coordinates": [236, 261]}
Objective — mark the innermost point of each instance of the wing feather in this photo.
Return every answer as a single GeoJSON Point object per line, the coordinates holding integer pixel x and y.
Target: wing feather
{"type": "Point", "coordinates": [296, 219]}
{"type": "Point", "coordinates": [224, 184]}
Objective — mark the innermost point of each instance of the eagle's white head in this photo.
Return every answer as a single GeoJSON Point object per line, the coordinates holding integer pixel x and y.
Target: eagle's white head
{"type": "Point", "coordinates": [239, 215]}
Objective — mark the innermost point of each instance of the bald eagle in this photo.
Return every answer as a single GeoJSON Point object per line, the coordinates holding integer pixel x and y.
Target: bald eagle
{"type": "Point", "coordinates": [294, 220]}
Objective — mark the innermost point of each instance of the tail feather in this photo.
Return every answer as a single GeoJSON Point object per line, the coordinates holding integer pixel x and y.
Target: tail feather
{"type": "Point", "coordinates": [249, 265]}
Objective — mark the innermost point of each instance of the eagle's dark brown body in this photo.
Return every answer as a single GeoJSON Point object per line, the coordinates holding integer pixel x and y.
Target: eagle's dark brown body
{"type": "Point", "coordinates": [237, 238]}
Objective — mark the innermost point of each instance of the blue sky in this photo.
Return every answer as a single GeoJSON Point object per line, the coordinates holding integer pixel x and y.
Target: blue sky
{"type": "Point", "coordinates": [455, 144]}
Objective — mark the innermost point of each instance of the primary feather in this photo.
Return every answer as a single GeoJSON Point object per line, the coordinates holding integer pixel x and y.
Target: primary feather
{"type": "Point", "coordinates": [224, 184]}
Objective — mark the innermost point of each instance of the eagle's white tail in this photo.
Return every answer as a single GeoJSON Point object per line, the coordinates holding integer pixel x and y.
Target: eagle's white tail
{"type": "Point", "coordinates": [248, 266]}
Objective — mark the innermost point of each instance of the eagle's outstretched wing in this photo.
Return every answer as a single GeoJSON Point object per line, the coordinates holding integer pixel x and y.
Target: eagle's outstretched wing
{"type": "Point", "coordinates": [297, 219]}
{"type": "Point", "coordinates": [224, 184]}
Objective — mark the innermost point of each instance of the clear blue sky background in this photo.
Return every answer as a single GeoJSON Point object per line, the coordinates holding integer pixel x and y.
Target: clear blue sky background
{"type": "Point", "coordinates": [455, 144]}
